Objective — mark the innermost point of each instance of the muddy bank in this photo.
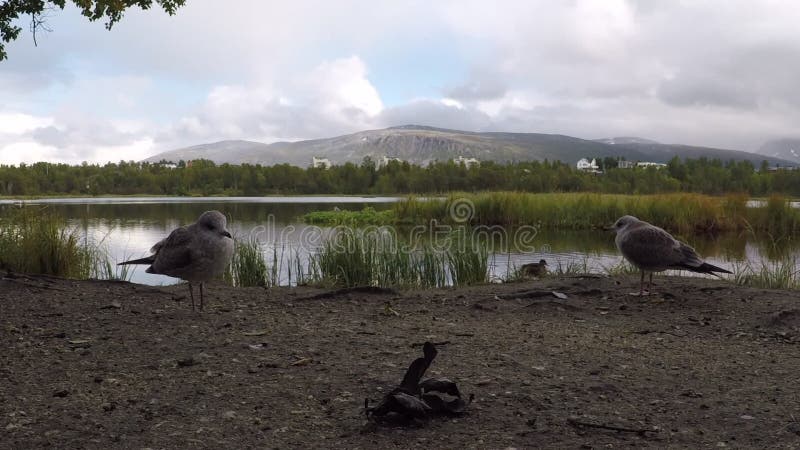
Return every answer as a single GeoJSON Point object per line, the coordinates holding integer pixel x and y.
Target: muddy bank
{"type": "Point", "coordinates": [701, 364]}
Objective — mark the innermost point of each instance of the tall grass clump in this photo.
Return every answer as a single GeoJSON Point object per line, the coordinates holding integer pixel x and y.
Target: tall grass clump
{"type": "Point", "coordinates": [467, 259]}
{"type": "Point", "coordinates": [374, 257]}
{"type": "Point", "coordinates": [779, 274]}
{"type": "Point", "coordinates": [572, 267]}
{"type": "Point", "coordinates": [247, 267]}
{"type": "Point", "coordinates": [101, 265]}
{"type": "Point", "coordinates": [776, 216]}
{"type": "Point", "coordinates": [39, 242]}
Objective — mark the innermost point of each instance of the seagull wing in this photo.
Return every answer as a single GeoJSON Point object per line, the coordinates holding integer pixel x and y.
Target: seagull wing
{"type": "Point", "coordinates": [173, 252]}
{"type": "Point", "coordinates": [651, 248]}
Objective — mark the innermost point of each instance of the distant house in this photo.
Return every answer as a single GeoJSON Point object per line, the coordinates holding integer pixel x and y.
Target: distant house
{"type": "Point", "coordinates": [587, 166]}
{"type": "Point", "coordinates": [468, 162]}
{"type": "Point", "coordinates": [168, 165]}
{"type": "Point", "coordinates": [623, 164]}
{"type": "Point", "coordinates": [383, 162]}
{"type": "Point", "coordinates": [646, 164]}
{"type": "Point", "coordinates": [320, 163]}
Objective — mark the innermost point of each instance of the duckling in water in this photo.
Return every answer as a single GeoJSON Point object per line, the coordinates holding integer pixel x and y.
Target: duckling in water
{"type": "Point", "coordinates": [534, 269]}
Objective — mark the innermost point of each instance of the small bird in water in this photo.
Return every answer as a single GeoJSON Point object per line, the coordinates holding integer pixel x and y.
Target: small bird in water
{"type": "Point", "coordinates": [651, 249]}
{"type": "Point", "coordinates": [195, 253]}
{"type": "Point", "coordinates": [534, 269]}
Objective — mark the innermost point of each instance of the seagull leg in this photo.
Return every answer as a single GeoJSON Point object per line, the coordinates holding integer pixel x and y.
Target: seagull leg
{"type": "Point", "coordinates": [641, 284]}
{"type": "Point", "coordinates": [650, 283]}
{"type": "Point", "coordinates": [641, 292]}
{"type": "Point", "coordinates": [191, 294]}
{"type": "Point", "coordinates": [201, 295]}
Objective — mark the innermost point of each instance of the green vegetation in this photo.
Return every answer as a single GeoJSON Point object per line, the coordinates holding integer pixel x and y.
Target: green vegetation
{"type": "Point", "coordinates": [252, 266]}
{"type": "Point", "coordinates": [372, 258]}
{"type": "Point", "coordinates": [248, 267]}
{"type": "Point", "coordinates": [202, 177]}
{"type": "Point", "coordinates": [682, 213]}
{"type": "Point", "coordinates": [39, 242]}
{"type": "Point", "coordinates": [780, 274]}
{"type": "Point", "coordinates": [367, 216]}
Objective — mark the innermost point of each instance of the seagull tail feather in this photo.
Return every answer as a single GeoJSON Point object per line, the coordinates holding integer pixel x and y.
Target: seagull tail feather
{"type": "Point", "coordinates": [706, 268]}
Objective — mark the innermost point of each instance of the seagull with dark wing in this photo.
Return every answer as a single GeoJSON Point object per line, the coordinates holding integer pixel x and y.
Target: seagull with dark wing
{"type": "Point", "coordinates": [651, 249]}
{"type": "Point", "coordinates": [196, 253]}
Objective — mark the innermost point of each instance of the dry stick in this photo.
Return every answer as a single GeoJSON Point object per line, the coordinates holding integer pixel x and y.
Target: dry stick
{"type": "Point", "coordinates": [575, 422]}
{"type": "Point", "coordinates": [657, 331]}
{"type": "Point", "coordinates": [352, 290]}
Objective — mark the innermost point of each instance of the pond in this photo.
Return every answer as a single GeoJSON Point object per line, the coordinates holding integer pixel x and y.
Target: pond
{"type": "Point", "coordinates": [128, 227]}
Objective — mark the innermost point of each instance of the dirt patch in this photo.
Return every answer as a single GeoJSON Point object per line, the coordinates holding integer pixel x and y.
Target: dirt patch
{"type": "Point", "coordinates": [700, 364]}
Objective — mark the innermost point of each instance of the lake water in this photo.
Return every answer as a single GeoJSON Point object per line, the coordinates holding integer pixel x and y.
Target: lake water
{"type": "Point", "coordinates": [128, 227]}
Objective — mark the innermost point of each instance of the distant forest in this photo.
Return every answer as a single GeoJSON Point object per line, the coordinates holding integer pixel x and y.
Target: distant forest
{"type": "Point", "coordinates": [203, 177]}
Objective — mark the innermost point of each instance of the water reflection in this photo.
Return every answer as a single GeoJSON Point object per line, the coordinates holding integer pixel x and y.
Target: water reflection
{"type": "Point", "coordinates": [129, 227]}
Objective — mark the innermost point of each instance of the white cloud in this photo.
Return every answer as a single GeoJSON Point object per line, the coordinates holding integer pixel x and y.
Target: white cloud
{"type": "Point", "coordinates": [334, 97]}
{"type": "Point", "coordinates": [18, 123]}
{"type": "Point", "coordinates": [717, 72]}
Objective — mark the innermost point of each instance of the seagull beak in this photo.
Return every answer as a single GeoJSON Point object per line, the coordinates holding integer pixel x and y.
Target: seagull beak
{"type": "Point", "coordinates": [608, 228]}
{"type": "Point", "coordinates": [226, 234]}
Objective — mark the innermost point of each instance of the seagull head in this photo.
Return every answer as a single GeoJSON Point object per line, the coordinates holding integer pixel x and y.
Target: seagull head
{"type": "Point", "coordinates": [623, 223]}
{"type": "Point", "coordinates": [214, 221]}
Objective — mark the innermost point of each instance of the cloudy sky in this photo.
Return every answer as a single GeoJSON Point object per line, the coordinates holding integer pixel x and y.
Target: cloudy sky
{"type": "Point", "coordinates": [719, 73]}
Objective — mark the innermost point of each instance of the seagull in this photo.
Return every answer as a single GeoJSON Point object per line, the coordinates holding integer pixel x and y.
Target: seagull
{"type": "Point", "coordinates": [651, 249]}
{"type": "Point", "coordinates": [534, 269]}
{"type": "Point", "coordinates": [195, 253]}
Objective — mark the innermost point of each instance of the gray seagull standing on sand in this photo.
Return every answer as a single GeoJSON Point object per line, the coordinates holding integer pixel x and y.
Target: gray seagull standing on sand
{"type": "Point", "coordinates": [652, 249]}
{"type": "Point", "coordinates": [195, 253]}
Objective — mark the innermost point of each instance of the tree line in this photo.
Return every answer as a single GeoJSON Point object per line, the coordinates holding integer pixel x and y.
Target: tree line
{"type": "Point", "coordinates": [203, 177]}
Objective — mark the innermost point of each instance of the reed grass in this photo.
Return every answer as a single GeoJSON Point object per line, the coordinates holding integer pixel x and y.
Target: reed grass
{"type": "Point", "coordinates": [580, 267]}
{"type": "Point", "coordinates": [354, 257]}
{"type": "Point", "coordinates": [37, 241]}
{"type": "Point", "coordinates": [247, 267]}
{"type": "Point", "coordinates": [33, 240]}
{"type": "Point", "coordinates": [779, 274]}
{"type": "Point", "coordinates": [680, 212]}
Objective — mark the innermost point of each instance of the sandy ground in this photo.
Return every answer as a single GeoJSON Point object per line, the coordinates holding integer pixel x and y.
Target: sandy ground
{"type": "Point", "coordinates": [700, 364]}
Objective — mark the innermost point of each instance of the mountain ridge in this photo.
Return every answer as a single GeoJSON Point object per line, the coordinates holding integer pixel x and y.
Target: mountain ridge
{"type": "Point", "coordinates": [421, 144]}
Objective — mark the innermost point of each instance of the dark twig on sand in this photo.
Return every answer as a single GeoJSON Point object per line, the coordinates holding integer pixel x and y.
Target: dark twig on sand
{"type": "Point", "coordinates": [373, 290]}
{"type": "Point", "coordinates": [579, 423]}
{"type": "Point", "coordinates": [657, 331]}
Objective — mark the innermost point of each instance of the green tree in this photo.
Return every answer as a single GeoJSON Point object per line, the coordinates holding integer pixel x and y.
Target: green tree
{"type": "Point", "coordinates": [111, 10]}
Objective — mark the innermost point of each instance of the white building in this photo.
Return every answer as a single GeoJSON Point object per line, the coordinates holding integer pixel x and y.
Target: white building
{"type": "Point", "coordinates": [320, 163]}
{"type": "Point", "coordinates": [468, 162]}
{"type": "Point", "coordinates": [383, 162]}
{"type": "Point", "coordinates": [586, 166]}
{"type": "Point", "coordinates": [623, 164]}
{"type": "Point", "coordinates": [646, 164]}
